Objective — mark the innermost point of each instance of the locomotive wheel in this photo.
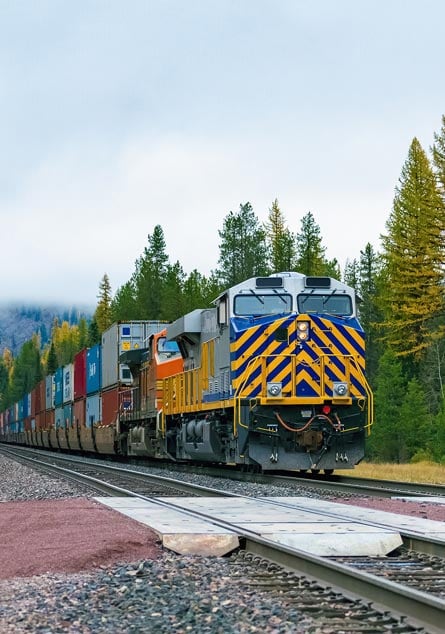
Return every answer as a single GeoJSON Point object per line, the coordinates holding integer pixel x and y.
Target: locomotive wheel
{"type": "Point", "coordinates": [328, 472]}
{"type": "Point", "coordinates": [315, 471]}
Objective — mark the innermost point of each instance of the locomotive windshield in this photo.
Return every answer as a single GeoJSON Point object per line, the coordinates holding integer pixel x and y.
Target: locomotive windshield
{"type": "Point", "coordinates": [327, 303]}
{"type": "Point", "coordinates": [262, 304]}
{"type": "Point", "coordinates": [167, 348]}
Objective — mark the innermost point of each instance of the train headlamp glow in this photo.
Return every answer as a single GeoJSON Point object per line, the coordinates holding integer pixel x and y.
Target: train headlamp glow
{"type": "Point", "coordinates": [340, 389]}
{"type": "Point", "coordinates": [302, 330]}
{"type": "Point", "coordinates": [274, 389]}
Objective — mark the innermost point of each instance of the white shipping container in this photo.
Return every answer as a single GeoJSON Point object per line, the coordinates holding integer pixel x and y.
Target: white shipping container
{"type": "Point", "coordinates": [68, 383]}
{"type": "Point", "coordinates": [50, 389]}
{"type": "Point", "coordinates": [123, 337]}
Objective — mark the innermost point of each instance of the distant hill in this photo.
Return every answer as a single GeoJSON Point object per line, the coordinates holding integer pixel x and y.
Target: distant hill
{"type": "Point", "coordinates": [18, 323]}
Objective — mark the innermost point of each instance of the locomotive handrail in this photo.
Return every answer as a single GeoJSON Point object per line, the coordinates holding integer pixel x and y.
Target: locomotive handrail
{"type": "Point", "coordinates": [322, 361]}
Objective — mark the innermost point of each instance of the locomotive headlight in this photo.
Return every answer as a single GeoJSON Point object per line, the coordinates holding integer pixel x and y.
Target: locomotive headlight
{"type": "Point", "coordinates": [274, 389]}
{"type": "Point", "coordinates": [340, 389]}
{"type": "Point", "coordinates": [302, 330]}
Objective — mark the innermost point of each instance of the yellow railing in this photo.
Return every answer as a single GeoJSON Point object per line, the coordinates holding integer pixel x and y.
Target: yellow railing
{"type": "Point", "coordinates": [244, 386]}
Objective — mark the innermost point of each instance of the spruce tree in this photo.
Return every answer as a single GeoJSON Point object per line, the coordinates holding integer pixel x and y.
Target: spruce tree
{"type": "Point", "coordinates": [281, 241]}
{"type": "Point", "coordinates": [368, 308]}
{"type": "Point", "coordinates": [351, 274]}
{"type": "Point", "coordinates": [310, 251]}
{"type": "Point", "coordinates": [384, 442]}
{"type": "Point", "coordinates": [93, 333]}
{"type": "Point", "coordinates": [414, 254]}
{"type": "Point", "coordinates": [51, 361]}
{"type": "Point", "coordinates": [243, 251]}
{"type": "Point", "coordinates": [102, 314]}
{"type": "Point", "coordinates": [149, 276]}
{"type": "Point", "coordinates": [123, 304]}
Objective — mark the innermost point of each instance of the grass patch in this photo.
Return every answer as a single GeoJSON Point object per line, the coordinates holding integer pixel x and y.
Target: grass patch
{"type": "Point", "coordinates": [427, 472]}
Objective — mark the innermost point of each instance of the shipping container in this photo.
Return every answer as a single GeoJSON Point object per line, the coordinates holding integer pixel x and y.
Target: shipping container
{"type": "Point", "coordinates": [123, 337]}
{"type": "Point", "coordinates": [68, 383]}
{"type": "Point", "coordinates": [49, 391]}
{"type": "Point", "coordinates": [80, 374]}
{"type": "Point", "coordinates": [23, 411]}
{"type": "Point", "coordinates": [110, 404]}
{"type": "Point", "coordinates": [40, 396]}
{"type": "Point", "coordinates": [58, 388]}
{"type": "Point", "coordinates": [58, 418]}
{"type": "Point", "coordinates": [94, 369]}
{"type": "Point", "coordinates": [67, 415]}
{"type": "Point", "coordinates": [79, 412]}
{"type": "Point", "coordinates": [93, 410]}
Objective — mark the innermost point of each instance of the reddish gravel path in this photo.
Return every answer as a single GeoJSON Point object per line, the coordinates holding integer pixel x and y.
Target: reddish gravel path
{"type": "Point", "coordinates": [69, 535]}
{"type": "Point", "coordinates": [425, 510]}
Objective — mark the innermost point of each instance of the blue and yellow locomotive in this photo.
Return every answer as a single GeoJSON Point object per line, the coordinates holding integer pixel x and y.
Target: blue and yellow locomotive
{"type": "Point", "coordinates": [273, 378]}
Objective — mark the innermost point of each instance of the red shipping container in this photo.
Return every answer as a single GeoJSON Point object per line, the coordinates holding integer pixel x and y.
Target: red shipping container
{"type": "Point", "coordinates": [110, 405]}
{"type": "Point", "coordinates": [49, 419]}
{"type": "Point", "coordinates": [40, 397]}
{"type": "Point", "coordinates": [79, 412]}
{"type": "Point", "coordinates": [38, 421]}
{"type": "Point", "coordinates": [80, 374]}
{"type": "Point", "coordinates": [28, 423]}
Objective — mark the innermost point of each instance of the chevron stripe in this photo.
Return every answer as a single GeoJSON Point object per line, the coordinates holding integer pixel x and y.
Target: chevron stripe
{"type": "Point", "coordinates": [326, 338]}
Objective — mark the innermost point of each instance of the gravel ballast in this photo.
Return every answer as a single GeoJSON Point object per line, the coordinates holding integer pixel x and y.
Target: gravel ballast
{"type": "Point", "coordinates": [166, 593]}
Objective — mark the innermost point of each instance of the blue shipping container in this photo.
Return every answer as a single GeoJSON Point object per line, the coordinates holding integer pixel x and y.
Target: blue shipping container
{"type": "Point", "coordinates": [67, 414]}
{"type": "Point", "coordinates": [93, 410]}
{"type": "Point", "coordinates": [94, 369]}
{"type": "Point", "coordinates": [58, 417]}
{"type": "Point", "coordinates": [21, 408]}
{"type": "Point", "coordinates": [58, 393]}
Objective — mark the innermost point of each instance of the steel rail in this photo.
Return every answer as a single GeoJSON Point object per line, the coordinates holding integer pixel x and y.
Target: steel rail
{"type": "Point", "coordinates": [420, 608]}
{"type": "Point", "coordinates": [411, 539]}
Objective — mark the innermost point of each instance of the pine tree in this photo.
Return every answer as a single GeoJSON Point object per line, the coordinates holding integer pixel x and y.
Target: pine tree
{"type": "Point", "coordinates": [309, 247]}
{"type": "Point", "coordinates": [149, 276]}
{"type": "Point", "coordinates": [172, 303]}
{"type": "Point", "coordinates": [415, 422]}
{"type": "Point", "coordinates": [82, 332]}
{"type": "Point", "coordinates": [243, 248]}
{"type": "Point", "coordinates": [281, 242]}
{"type": "Point", "coordinates": [369, 270]}
{"type": "Point", "coordinates": [414, 254]}
{"type": "Point", "coordinates": [51, 360]}
{"type": "Point", "coordinates": [351, 274]}
{"type": "Point", "coordinates": [102, 314]}
{"type": "Point", "coordinates": [384, 442]}
{"type": "Point", "coordinates": [123, 305]}
{"type": "Point", "coordinates": [93, 333]}
{"type": "Point", "coordinates": [27, 369]}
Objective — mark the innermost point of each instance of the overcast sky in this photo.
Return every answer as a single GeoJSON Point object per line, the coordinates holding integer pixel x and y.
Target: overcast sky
{"type": "Point", "coordinates": [120, 115]}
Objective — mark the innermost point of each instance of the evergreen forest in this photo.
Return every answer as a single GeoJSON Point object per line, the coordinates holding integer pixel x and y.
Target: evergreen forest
{"type": "Point", "coordinates": [400, 284]}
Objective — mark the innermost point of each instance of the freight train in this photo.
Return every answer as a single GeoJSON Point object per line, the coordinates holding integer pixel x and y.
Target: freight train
{"type": "Point", "coordinates": [272, 377]}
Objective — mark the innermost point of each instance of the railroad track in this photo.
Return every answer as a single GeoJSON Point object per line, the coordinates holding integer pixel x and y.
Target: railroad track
{"type": "Point", "coordinates": [410, 585]}
{"type": "Point", "coordinates": [334, 483]}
